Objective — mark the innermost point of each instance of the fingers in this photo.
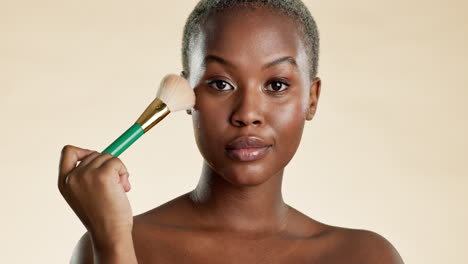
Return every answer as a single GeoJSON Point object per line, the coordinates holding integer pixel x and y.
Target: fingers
{"type": "Point", "coordinates": [108, 162]}
{"type": "Point", "coordinates": [125, 182]}
{"type": "Point", "coordinates": [89, 159]}
{"type": "Point", "coordinates": [95, 160]}
{"type": "Point", "coordinates": [122, 171]}
{"type": "Point", "coordinates": [95, 189]}
{"type": "Point", "coordinates": [117, 165]}
{"type": "Point", "coordinates": [69, 157]}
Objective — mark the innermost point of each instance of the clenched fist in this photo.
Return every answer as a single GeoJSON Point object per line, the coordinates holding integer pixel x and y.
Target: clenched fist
{"type": "Point", "coordinates": [95, 189]}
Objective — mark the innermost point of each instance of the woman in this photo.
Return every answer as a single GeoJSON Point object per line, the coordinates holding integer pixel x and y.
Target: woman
{"type": "Point", "coordinates": [253, 67]}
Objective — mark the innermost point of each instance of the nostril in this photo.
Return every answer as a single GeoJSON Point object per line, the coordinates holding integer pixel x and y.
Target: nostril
{"type": "Point", "coordinates": [240, 123]}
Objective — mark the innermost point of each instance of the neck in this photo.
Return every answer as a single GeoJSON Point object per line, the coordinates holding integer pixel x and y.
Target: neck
{"type": "Point", "coordinates": [229, 207]}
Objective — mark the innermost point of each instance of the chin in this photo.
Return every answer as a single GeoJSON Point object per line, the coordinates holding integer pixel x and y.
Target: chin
{"type": "Point", "coordinates": [244, 174]}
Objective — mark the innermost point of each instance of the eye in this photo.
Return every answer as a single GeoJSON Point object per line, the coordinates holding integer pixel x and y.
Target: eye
{"type": "Point", "coordinates": [277, 86]}
{"type": "Point", "coordinates": [220, 85]}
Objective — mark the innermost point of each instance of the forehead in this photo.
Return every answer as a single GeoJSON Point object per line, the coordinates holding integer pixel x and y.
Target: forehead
{"type": "Point", "coordinates": [251, 35]}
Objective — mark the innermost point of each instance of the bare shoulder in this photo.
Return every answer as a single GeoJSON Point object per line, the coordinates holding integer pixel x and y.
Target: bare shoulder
{"type": "Point", "coordinates": [145, 228]}
{"type": "Point", "coordinates": [174, 212]}
{"type": "Point", "coordinates": [333, 244]}
{"type": "Point", "coordinates": [370, 246]}
{"type": "Point", "coordinates": [83, 251]}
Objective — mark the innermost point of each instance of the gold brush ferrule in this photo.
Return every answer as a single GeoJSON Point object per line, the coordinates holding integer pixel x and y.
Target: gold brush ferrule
{"type": "Point", "coordinates": [154, 113]}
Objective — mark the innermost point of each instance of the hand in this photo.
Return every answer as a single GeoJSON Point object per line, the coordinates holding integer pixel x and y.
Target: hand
{"type": "Point", "coordinates": [96, 191]}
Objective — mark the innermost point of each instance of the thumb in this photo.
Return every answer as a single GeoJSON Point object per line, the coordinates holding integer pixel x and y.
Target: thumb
{"type": "Point", "coordinates": [69, 157]}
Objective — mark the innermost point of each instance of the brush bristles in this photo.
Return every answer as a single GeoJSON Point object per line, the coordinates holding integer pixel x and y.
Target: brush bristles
{"type": "Point", "coordinates": [176, 93]}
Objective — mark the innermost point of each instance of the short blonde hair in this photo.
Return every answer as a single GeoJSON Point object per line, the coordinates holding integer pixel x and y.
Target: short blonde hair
{"type": "Point", "coordinates": [295, 9]}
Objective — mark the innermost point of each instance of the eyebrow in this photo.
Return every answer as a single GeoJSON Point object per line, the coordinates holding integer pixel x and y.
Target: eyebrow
{"type": "Point", "coordinates": [214, 58]}
{"type": "Point", "coordinates": [289, 59]}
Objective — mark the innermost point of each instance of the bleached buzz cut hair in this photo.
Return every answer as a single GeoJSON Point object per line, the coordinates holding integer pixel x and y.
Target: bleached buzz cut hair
{"type": "Point", "coordinates": [295, 9]}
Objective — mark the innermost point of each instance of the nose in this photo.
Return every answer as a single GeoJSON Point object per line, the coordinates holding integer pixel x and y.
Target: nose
{"type": "Point", "coordinates": [247, 109]}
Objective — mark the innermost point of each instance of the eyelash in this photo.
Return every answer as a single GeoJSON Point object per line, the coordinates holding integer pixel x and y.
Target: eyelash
{"type": "Point", "coordinates": [283, 83]}
{"type": "Point", "coordinates": [217, 81]}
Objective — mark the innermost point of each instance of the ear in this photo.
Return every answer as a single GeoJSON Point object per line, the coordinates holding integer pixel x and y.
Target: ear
{"type": "Point", "coordinates": [183, 74]}
{"type": "Point", "coordinates": [313, 98]}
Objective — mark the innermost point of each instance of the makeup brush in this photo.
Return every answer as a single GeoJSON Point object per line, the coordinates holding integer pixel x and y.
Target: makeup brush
{"type": "Point", "coordinates": [174, 94]}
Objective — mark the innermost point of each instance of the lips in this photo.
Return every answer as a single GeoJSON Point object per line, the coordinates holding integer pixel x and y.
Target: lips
{"type": "Point", "coordinates": [247, 148]}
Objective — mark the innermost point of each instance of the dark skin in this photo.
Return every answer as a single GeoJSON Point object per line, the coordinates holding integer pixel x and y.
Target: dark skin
{"type": "Point", "coordinates": [236, 214]}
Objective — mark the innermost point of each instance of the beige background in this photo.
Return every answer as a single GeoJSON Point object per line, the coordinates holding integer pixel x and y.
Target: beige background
{"type": "Point", "coordinates": [386, 151]}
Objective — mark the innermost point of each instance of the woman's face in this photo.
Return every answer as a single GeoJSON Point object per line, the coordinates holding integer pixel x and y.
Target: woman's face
{"type": "Point", "coordinates": [251, 78]}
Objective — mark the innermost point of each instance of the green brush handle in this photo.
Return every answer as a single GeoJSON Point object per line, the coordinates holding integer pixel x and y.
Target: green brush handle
{"type": "Point", "coordinates": [125, 140]}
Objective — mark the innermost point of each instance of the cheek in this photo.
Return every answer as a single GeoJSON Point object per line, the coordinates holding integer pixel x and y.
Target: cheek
{"type": "Point", "coordinates": [201, 134]}
{"type": "Point", "coordinates": [288, 124]}
{"type": "Point", "coordinates": [209, 122]}
{"type": "Point", "coordinates": [209, 115]}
